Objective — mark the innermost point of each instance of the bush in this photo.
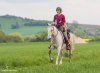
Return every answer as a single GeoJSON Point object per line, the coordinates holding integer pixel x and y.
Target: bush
{"type": "Point", "coordinates": [28, 39]}
{"type": "Point", "coordinates": [14, 37]}
{"type": "Point", "coordinates": [95, 39]}
{"type": "Point", "coordinates": [40, 37]}
{"type": "Point", "coordinates": [2, 36]}
{"type": "Point", "coordinates": [17, 37]}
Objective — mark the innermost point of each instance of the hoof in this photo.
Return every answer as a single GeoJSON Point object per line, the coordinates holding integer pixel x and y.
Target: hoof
{"type": "Point", "coordinates": [56, 63]}
{"type": "Point", "coordinates": [51, 60]}
{"type": "Point", "coordinates": [60, 63]}
{"type": "Point", "coordinates": [69, 61]}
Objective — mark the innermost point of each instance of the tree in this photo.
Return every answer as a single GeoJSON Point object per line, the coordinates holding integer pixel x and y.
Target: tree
{"type": "Point", "coordinates": [15, 26]}
{"type": "Point", "coordinates": [2, 36]}
{"type": "Point", "coordinates": [75, 23]}
{"type": "Point", "coordinates": [0, 25]}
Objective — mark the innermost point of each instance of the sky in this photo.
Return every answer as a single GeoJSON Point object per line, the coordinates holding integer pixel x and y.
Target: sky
{"type": "Point", "coordinates": [83, 11]}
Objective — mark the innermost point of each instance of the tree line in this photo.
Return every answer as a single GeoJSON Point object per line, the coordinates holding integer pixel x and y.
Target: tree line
{"type": "Point", "coordinates": [17, 37]}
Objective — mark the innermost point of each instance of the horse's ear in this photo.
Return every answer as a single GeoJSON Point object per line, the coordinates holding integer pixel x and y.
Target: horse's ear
{"type": "Point", "coordinates": [49, 24]}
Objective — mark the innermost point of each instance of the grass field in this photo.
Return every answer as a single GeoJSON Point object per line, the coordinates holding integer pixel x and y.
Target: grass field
{"type": "Point", "coordinates": [33, 58]}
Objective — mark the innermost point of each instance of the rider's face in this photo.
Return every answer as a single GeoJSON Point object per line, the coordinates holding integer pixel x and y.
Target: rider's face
{"type": "Point", "coordinates": [58, 12]}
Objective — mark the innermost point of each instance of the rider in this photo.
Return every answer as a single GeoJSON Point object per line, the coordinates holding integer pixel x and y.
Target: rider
{"type": "Point", "coordinates": [60, 22]}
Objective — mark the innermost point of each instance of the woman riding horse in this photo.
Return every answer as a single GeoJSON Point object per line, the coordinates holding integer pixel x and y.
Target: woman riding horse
{"type": "Point", "coordinates": [60, 23]}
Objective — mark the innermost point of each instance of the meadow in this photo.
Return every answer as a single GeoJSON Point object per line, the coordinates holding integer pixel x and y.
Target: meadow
{"type": "Point", "coordinates": [33, 58]}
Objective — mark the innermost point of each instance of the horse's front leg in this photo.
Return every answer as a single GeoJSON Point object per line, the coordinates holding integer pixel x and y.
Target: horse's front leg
{"type": "Point", "coordinates": [58, 54]}
{"type": "Point", "coordinates": [61, 56]}
{"type": "Point", "coordinates": [50, 55]}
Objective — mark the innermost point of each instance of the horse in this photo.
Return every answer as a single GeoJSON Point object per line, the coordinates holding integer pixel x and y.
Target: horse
{"type": "Point", "coordinates": [57, 42]}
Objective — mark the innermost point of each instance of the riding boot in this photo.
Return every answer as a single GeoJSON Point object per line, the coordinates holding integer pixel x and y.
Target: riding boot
{"type": "Point", "coordinates": [65, 37]}
{"type": "Point", "coordinates": [66, 40]}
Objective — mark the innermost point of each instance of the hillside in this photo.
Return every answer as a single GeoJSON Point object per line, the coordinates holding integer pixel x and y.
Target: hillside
{"type": "Point", "coordinates": [9, 20]}
{"type": "Point", "coordinates": [85, 30]}
{"type": "Point", "coordinates": [6, 21]}
{"type": "Point", "coordinates": [93, 29]}
{"type": "Point", "coordinates": [10, 24]}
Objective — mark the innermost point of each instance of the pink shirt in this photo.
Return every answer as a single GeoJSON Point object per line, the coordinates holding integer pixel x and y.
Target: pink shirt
{"type": "Point", "coordinates": [59, 19]}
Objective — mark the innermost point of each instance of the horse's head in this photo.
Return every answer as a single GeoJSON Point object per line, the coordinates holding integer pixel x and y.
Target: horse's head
{"type": "Point", "coordinates": [51, 30]}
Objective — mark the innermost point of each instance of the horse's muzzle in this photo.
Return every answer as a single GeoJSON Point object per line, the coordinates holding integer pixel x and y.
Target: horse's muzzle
{"type": "Point", "coordinates": [48, 38]}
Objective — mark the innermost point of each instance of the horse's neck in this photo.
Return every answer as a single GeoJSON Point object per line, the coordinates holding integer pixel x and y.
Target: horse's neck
{"type": "Point", "coordinates": [55, 29]}
{"type": "Point", "coordinates": [59, 34]}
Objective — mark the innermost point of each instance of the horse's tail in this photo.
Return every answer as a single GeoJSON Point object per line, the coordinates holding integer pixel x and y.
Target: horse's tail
{"type": "Point", "coordinates": [72, 41]}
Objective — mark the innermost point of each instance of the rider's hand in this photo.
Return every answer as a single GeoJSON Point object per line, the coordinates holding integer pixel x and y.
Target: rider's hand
{"type": "Point", "coordinates": [64, 27]}
{"type": "Point", "coordinates": [55, 23]}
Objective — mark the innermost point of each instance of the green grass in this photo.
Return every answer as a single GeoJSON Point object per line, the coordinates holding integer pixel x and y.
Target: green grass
{"type": "Point", "coordinates": [33, 58]}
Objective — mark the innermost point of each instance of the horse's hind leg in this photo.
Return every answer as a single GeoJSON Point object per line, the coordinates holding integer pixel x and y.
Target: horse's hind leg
{"type": "Point", "coordinates": [70, 53]}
